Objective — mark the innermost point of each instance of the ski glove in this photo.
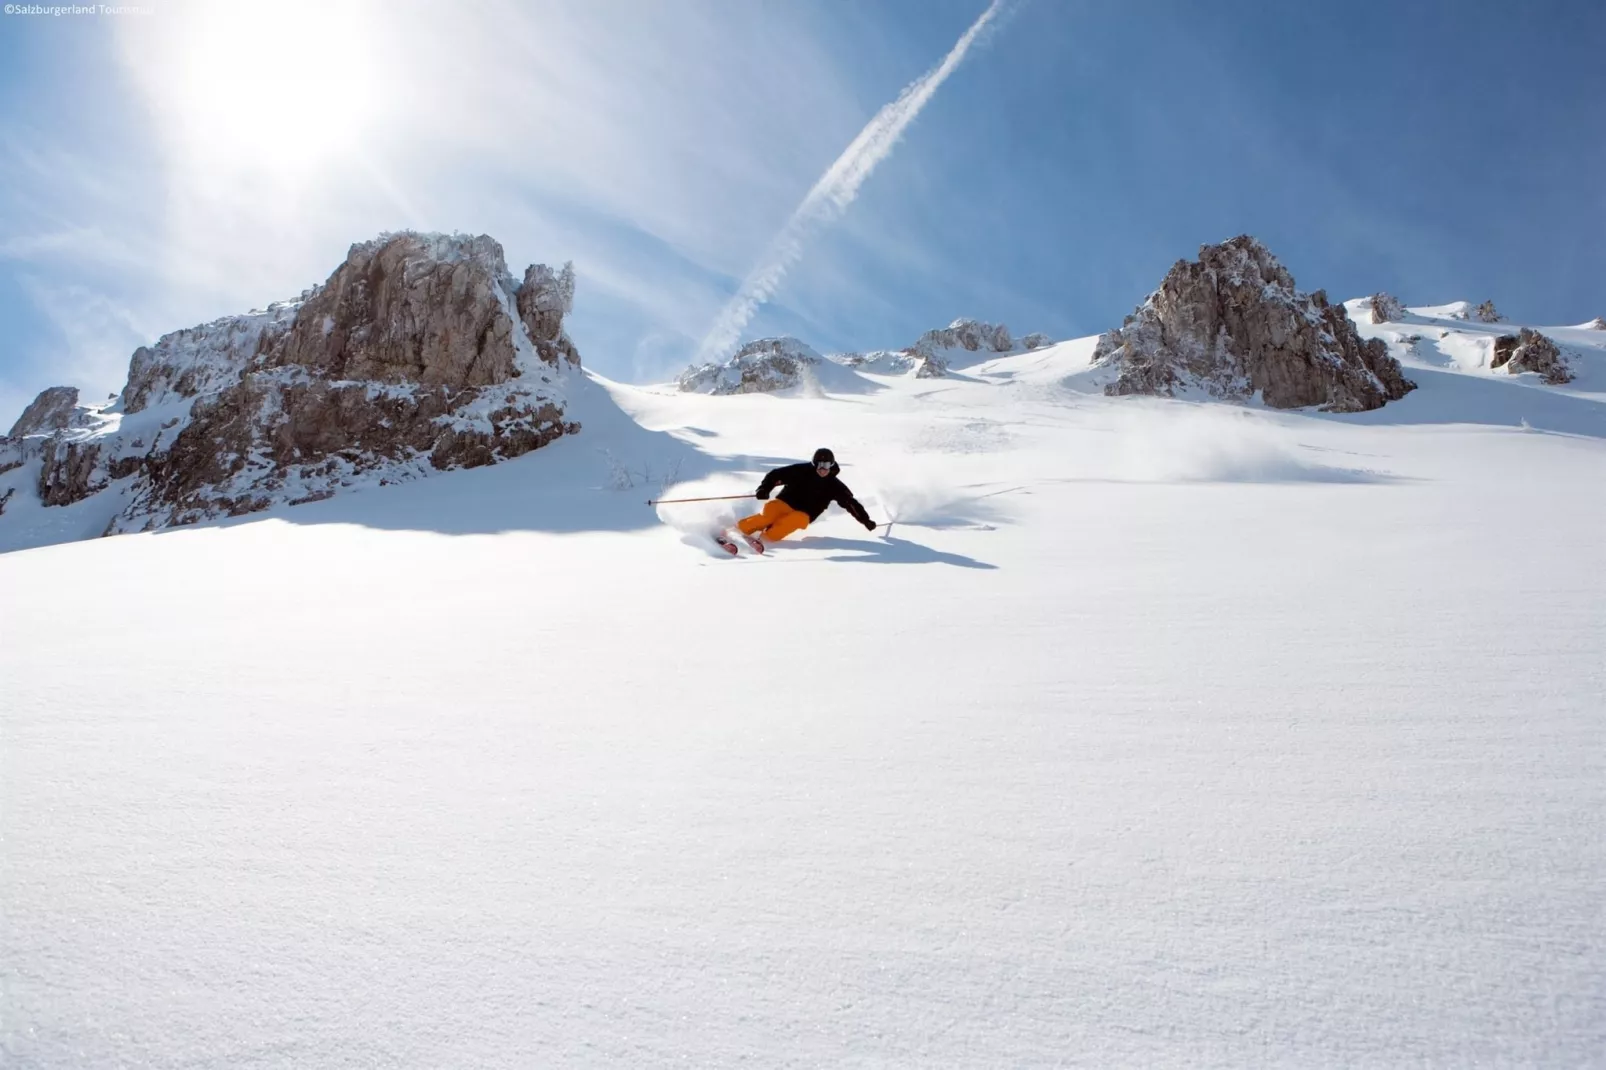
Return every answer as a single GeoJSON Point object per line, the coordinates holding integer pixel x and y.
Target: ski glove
{"type": "Point", "coordinates": [762, 494]}
{"type": "Point", "coordinates": [869, 525]}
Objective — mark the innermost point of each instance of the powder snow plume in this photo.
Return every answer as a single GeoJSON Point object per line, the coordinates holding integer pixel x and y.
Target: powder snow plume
{"type": "Point", "coordinates": [832, 194]}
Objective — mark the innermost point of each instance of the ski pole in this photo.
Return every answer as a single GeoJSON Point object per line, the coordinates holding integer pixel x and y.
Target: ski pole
{"type": "Point", "coordinates": [719, 498]}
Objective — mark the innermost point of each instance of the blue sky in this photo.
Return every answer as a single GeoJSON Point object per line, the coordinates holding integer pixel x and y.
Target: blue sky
{"type": "Point", "coordinates": [166, 168]}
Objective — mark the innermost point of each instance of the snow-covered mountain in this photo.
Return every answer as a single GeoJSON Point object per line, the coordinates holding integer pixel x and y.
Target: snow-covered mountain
{"type": "Point", "coordinates": [1232, 325]}
{"type": "Point", "coordinates": [778, 365]}
{"type": "Point", "coordinates": [962, 342]}
{"type": "Point", "coordinates": [771, 366]}
{"type": "Point", "coordinates": [420, 353]}
{"type": "Point", "coordinates": [1144, 730]}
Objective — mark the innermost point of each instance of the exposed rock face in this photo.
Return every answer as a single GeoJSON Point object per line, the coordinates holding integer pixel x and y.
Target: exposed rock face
{"type": "Point", "coordinates": [55, 430]}
{"type": "Point", "coordinates": [1485, 313]}
{"type": "Point", "coordinates": [300, 438]}
{"type": "Point", "coordinates": [973, 336]}
{"type": "Point", "coordinates": [421, 352]}
{"type": "Point", "coordinates": [878, 361]}
{"type": "Point", "coordinates": [770, 364]}
{"type": "Point", "coordinates": [545, 297]}
{"type": "Point", "coordinates": [1597, 324]}
{"type": "Point", "coordinates": [1386, 308]}
{"type": "Point", "coordinates": [197, 360]}
{"type": "Point", "coordinates": [51, 411]}
{"type": "Point", "coordinates": [763, 365]}
{"type": "Point", "coordinates": [935, 351]}
{"type": "Point", "coordinates": [1233, 324]}
{"type": "Point", "coordinates": [408, 309]}
{"type": "Point", "coordinates": [71, 471]}
{"type": "Point", "coordinates": [1530, 351]}
{"type": "Point", "coordinates": [419, 349]}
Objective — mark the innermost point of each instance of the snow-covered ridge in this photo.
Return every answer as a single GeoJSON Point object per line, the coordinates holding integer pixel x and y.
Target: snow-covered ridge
{"type": "Point", "coordinates": [770, 365]}
{"type": "Point", "coordinates": [1456, 337]}
{"type": "Point", "coordinates": [199, 360]}
{"type": "Point", "coordinates": [763, 365]}
{"type": "Point", "coordinates": [422, 352]}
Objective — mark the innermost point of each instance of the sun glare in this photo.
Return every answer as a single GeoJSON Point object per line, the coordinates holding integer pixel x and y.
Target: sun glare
{"type": "Point", "coordinates": [280, 91]}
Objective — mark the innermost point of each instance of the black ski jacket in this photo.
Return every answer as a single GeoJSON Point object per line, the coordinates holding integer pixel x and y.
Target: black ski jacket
{"type": "Point", "coordinates": [804, 488]}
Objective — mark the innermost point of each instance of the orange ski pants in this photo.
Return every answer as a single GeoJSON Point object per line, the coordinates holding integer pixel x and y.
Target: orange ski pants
{"type": "Point", "coordinates": [777, 521]}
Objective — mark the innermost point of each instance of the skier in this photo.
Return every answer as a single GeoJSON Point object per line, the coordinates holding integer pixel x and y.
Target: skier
{"type": "Point", "coordinates": [807, 490]}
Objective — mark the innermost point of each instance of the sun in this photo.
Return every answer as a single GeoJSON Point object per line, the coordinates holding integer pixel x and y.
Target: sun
{"type": "Point", "coordinates": [266, 91]}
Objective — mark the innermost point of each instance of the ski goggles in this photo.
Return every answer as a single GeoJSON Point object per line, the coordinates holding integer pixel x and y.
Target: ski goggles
{"type": "Point", "coordinates": [825, 467]}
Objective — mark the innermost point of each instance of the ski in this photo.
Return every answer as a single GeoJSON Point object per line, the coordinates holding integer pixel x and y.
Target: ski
{"type": "Point", "coordinates": [753, 544]}
{"type": "Point", "coordinates": [725, 543]}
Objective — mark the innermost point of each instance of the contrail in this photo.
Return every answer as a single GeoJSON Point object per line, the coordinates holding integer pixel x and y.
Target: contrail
{"type": "Point", "coordinates": [832, 194]}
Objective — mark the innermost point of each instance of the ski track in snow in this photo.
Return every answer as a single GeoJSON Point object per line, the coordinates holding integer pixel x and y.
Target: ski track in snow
{"type": "Point", "coordinates": [1176, 735]}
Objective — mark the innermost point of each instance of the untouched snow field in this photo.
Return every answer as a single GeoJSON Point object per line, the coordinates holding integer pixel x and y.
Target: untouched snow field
{"type": "Point", "coordinates": [1152, 733]}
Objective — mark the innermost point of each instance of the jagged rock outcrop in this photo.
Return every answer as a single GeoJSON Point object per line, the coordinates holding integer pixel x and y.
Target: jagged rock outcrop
{"type": "Point", "coordinates": [185, 364]}
{"type": "Point", "coordinates": [1485, 313]}
{"type": "Point", "coordinates": [420, 352]}
{"type": "Point", "coordinates": [761, 366]}
{"type": "Point", "coordinates": [51, 411]}
{"type": "Point", "coordinates": [771, 364]}
{"type": "Point", "coordinates": [973, 336]}
{"type": "Point", "coordinates": [545, 297]}
{"type": "Point", "coordinates": [409, 308]}
{"type": "Point", "coordinates": [935, 351]}
{"type": "Point", "coordinates": [71, 471]}
{"type": "Point", "coordinates": [878, 361]}
{"type": "Point", "coordinates": [55, 430]}
{"type": "Point", "coordinates": [1233, 325]}
{"type": "Point", "coordinates": [1386, 308]}
{"type": "Point", "coordinates": [1596, 324]}
{"type": "Point", "coordinates": [1530, 351]}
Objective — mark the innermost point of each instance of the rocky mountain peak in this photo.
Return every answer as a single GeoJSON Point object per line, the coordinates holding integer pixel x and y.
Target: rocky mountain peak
{"type": "Point", "coordinates": [51, 411]}
{"type": "Point", "coordinates": [763, 365]}
{"type": "Point", "coordinates": [1386, 308]}
{"type": "Point", "coordinates": [420, 352]}
{"type": "Point", "coordinates": [1233, 325]}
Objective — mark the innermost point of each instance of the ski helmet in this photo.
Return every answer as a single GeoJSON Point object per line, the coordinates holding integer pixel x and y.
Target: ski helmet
{"type": "Point", "coordinates": [824, 456]}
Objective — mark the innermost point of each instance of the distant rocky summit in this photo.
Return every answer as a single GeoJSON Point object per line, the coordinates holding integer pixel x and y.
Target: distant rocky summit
{"type": "Point", "coordinates": [1596, 324]}
{"type": "Point", "coordinates": [1386, 308]}
{"type": "Point", "coordinates": [935, 351]}
{"type": "Point", "coordinates": [771, 364]}
{"type": "Point", "coordinates": [421, 352]}
{"type": "Point", "coordinates": [1530, 351]}
{"type": "Point", "coordinates": [1485, 313]}
{"type": "Point", "coordinates": [761, 366]}
{"type": "Point", "coordinates": [1232, 325]}
{"type": "Point", "coordinates": [53, 410]}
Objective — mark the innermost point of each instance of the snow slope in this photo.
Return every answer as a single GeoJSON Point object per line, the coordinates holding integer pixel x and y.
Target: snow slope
{"type": "Point", "coordinates": [1443, 338]}
{"type": "Point", "coordinates": [1151, 733]}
